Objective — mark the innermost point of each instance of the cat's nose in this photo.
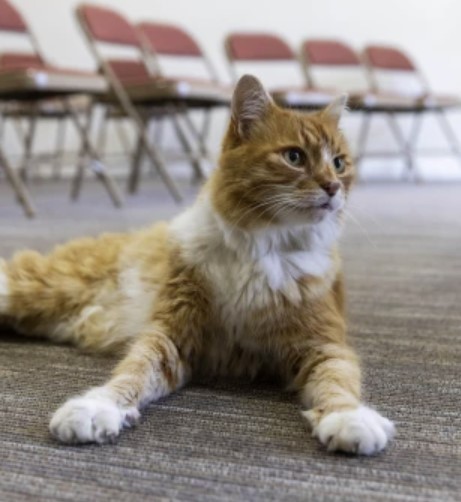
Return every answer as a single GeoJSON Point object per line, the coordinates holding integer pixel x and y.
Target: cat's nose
{"type": "Point", "coordinates": [331, 187]}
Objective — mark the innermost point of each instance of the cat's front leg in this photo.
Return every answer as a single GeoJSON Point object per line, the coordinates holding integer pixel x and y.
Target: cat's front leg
{"type": "Point", "coordinates": [330, 386]}
{"type": "Point", "coordinates": [152, 368]}
{"type": "Point", "coordinates": [156, 364]}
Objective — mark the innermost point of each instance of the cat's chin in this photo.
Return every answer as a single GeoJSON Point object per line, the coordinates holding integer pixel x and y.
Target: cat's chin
{"type": "Point", "coordinates": [318, 213]}
{"type": "Point", "coordinates": [314, 215]}
{"type": "Point", "coordinates": [311, 216]}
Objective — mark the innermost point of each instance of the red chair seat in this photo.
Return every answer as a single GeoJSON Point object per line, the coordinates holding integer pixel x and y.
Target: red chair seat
{"type": "Point", "coordinates": [380, 101]}
{"type": "Point", "coordinates": [40, 79]}
{"type": "Point", "coordinates": [398, 102]}
{"type": "Point", "coordinates": [440, 101]}
{"type": "Point", "coordinates": [144, 87]}
{"type": "Point", "coordinates": [157, 88]}
{"type": "Point", "coordinates": [19, 60]}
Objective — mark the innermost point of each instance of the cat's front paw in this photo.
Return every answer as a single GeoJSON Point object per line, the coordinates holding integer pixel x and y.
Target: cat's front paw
{"type": "Point", "coordinates": [92, 418]}
{"type": "Point", "coordinates": [363, 430]}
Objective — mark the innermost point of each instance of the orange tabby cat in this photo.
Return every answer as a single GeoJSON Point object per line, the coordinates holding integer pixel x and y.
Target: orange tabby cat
{"type": "Point", "coordinates": [248, 280]}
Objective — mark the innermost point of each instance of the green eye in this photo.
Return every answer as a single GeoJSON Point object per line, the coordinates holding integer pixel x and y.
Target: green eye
{"type": "Point", "coordinates": [339, 164]}
{"type": "Point", "coordinates": [294, 156]}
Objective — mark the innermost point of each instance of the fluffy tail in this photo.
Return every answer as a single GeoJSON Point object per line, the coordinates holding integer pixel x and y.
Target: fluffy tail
{"type": "Point", "coordinates": [66, 296]}
{"type": "Point", "coordinates": [42, 295]}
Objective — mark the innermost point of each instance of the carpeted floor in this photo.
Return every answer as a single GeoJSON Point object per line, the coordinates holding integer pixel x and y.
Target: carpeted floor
{"type": "Point", "coordinates": [235, 441]}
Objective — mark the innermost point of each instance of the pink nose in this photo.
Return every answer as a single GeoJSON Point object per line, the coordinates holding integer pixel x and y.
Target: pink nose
{"type": "Point", "coordinates": [331, 188]}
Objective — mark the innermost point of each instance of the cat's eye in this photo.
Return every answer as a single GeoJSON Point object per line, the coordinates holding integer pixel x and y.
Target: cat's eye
{"type": "Point", "coordinates": [339, 164]}
{"type": "Point", "coordinates": [295, 157]}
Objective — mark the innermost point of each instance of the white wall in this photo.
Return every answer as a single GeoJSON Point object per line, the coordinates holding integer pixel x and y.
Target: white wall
{"type": "Point", "coordinates": [429, 30]}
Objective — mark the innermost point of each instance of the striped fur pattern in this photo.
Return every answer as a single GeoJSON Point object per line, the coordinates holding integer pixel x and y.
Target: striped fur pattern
{"type": "Point", "coordinates": [246, 282]}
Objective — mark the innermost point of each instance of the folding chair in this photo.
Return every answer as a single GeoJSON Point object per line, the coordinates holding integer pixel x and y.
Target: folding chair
{"type": "Point", "coordinates": [266, 49]}
{"type": "Point", "coordinates": [27, 80]}
{"type": "Point", "coordinates": [51, 109]}
{"type": "Point", "coordinates": [386, 65]}
{"type": "Point", "coordinates": [138, 92]}
{"type": "Point", "coordinates": [344, 64]}
{"type": "Point", "coordinates": [166, 41]}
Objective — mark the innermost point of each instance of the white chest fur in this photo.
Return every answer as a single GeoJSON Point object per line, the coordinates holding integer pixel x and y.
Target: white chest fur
{"type": "Point", "coordinates": [247, 269]}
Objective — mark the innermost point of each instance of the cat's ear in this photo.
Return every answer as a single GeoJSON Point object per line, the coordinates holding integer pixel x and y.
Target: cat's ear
{"type": "Point", "coordinates": [250, 104]}
{"type": "Point", "coordinates": [336, 108]}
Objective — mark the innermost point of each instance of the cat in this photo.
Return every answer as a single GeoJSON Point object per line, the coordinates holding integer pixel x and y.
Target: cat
{"type": "Point", "coordinates": [245, 282]}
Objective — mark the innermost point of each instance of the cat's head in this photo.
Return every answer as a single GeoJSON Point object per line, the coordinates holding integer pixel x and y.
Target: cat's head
{"type": "Point", "coordinates": [279, 166]}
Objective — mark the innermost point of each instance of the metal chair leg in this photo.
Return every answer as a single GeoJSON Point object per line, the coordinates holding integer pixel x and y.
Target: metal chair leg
{"type": "Point", "coordinates": [102, 135]}
{"type": "Point", "coordinates": [123, 137]}
{"type": "Point", "coordinates": [449, 133]}
{"type": "Point", "coordinates": [95, 164]}
{"type": "Point", "coordinates": [59, 152]}
{"type": "Point", "coordinates": [200, 136]}
{"type": "Point", "coordinates": [415, 130]}
{"type": "Point", "coordinates": [135, 171]}
{"type": "Point", "coordinates": [199, 173]}
{"type": "Point", "coordinates": [132, 111]}
{"type": "Point", "coordinates": [77, 180]}
{"type": "Point", "coordinates": [405, 151]}
{"type": "Point", "coordinates": [160, 166]}
{"type": "Point", "coordinates": [2, 123]}
{"type": "Point", "coordinates": [82, 160]}
{"type": "Point", "coordinates": [363, 139]}
{"type": "Point", "coordinates": [29, 137]}
{"type": "Point", "coordinates": [19, 188]}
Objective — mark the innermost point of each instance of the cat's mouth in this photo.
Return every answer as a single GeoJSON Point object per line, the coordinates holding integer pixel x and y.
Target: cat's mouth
{"type": "Point", "coordinates": [318, 209]}
{"type": "Point", "coordinates": [326, 206]}
{"type": "Point", "coordinates": [331, 204]}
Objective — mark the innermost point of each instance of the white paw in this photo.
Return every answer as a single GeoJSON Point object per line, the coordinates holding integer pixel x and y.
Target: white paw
{"type": "Point", "coordinates": [363, 431]}
{"type": "Point", "coordinates": [92, 418]}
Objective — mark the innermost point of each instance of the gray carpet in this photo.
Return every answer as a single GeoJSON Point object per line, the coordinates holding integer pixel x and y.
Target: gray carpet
{"type": "Point", "coordinates": [235, 441]}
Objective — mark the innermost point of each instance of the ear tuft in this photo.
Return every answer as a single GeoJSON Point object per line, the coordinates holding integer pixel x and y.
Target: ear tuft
{"type": "Point", "coordinates": [250, 103]}
{"type": "Point", "coordinates": [337, 107]}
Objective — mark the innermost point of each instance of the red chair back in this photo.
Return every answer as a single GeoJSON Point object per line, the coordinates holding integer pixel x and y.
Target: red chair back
{"type": "Point", "coordinates": [258, 47]}
{"type": "Point", "coordinates": [169, 40]}
{"type": "Point", "coordinates": [20, 60]}
{"type": "Point", "coordinates": [329, 53]}
{"type": "Point", "coordinates": [107, 25]}
{"type": "Point", "coordinates": [11, 19]}
{"type": "Point", "coordinates": [388, 58]}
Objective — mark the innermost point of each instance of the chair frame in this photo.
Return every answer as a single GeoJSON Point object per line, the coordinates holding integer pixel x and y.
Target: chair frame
{"type": "Point", "coordinates": [367, 111]}
{"type": "Point", "coordinates": [409, 145]}
{"type": "Point", "coordinates": [290, 56]}
{"type": "Point", "coordinates": [64, 97]}
{"type": "Point", "coordinates": [153, 56]}
{"type": "Point", "coordinates": [141, 115]}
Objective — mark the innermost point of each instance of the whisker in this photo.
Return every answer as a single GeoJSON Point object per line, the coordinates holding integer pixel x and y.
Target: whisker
{"type": "Point", "coordinates": [264, 188]}
{"type": "Point", "coordinates": [364, 213]}
{"type": "Point", "coordinates": [360, 226]}
{"type": "Point", "coordinates": [267, 204]}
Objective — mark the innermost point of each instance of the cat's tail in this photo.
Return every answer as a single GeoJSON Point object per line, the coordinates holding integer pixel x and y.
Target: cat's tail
{"type": "Point", "coordinates": [33, 295]}
{"type": "Point", "coordinates": [19, 286]}
{"type": "Point", "coordinates": [53, 297]}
